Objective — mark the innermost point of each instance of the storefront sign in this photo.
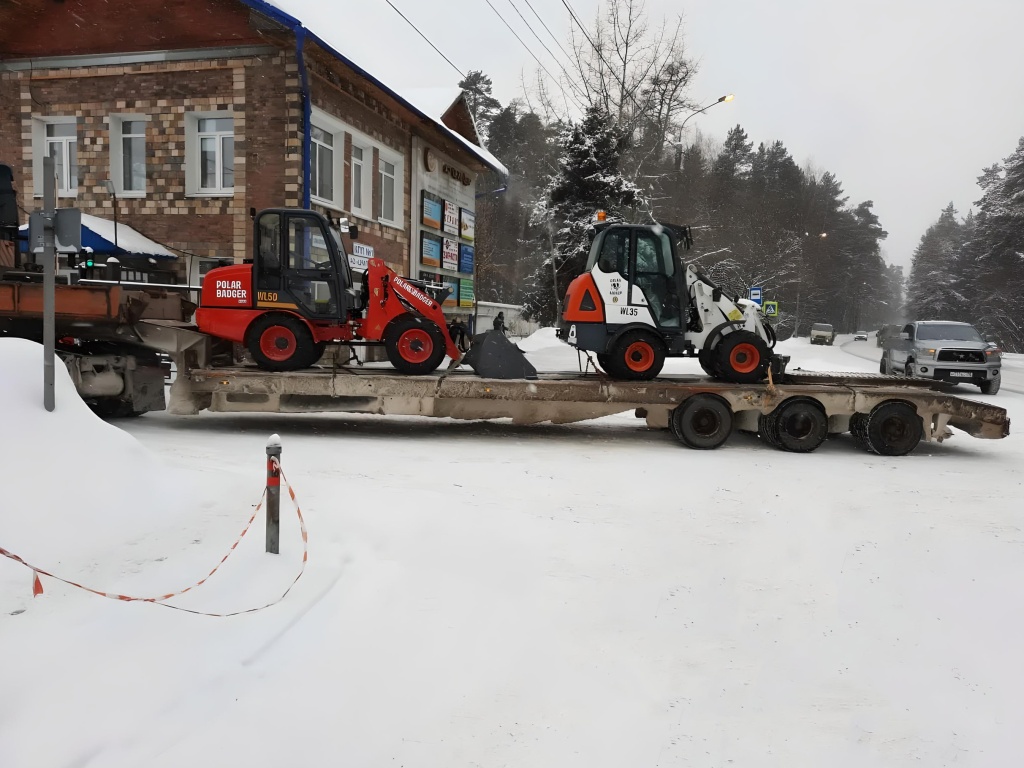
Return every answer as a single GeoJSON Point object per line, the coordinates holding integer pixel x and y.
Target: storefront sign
{"type": "Point", "coordinates": [468, 228]}
{"type": "Point", "coordinates": [360, 256]}
{"type": "Point", "coordinates": [466, 295]}
{"type": "Point", "coordinates": [457, 173]}
{"type": "Point", "coordinates": [466, 258]}
{"type": "Point", "coordinates": [450, 254]}
{"type": "Point", "coordinates": [431, 210]}
{"type": "Point", "coordinates": [430, 250]}
{"type": "Point", "coordinates": [451, 218]}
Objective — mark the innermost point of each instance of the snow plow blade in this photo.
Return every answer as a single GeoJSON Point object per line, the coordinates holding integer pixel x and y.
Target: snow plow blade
{"type": "Point", "coordinates": [493, 356]}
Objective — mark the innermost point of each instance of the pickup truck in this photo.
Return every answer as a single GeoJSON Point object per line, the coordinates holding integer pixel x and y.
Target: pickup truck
{"type": "Point", "coordinates": [822, 333]}
{"type": "Point", "coordinates": [947, 351]}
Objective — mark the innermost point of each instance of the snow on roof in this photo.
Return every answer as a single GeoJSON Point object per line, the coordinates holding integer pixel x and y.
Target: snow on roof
{"type": "Point", "coordinates": [127, 238]}
{"type": "Point", "coordinates": [286, 12]}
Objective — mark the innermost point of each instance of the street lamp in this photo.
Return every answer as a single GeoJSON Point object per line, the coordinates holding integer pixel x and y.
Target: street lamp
{"type": "Point", "coordinates": [113, 193]}
{"type": "Point", "coordinates": [727, 97]}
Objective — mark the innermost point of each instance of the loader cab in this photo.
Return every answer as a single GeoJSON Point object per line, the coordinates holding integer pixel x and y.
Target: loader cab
{"type": "Point", "coordinates": [299, 263]}
{"type": "Point", "coordinates": [646, 258]}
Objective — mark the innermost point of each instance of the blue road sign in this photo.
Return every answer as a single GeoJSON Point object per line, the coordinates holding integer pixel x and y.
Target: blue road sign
{"type": "Point", "coordinates": [755, 295]}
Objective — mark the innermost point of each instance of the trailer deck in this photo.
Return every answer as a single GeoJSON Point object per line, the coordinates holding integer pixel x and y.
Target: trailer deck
{"type": "Point", "coordinates": [570, 397]}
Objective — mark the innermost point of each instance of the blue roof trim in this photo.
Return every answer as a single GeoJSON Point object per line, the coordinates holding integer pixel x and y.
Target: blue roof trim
{"type": "Point", "coordinates": [295, 25]}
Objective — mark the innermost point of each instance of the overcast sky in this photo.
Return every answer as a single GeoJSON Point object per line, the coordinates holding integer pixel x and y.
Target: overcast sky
{"type": "Point", "coordinates": [904, 100]}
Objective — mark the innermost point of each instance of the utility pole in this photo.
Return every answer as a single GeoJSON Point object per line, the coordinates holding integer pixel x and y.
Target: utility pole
{"type": "Point", "coordinates": [49, 281]}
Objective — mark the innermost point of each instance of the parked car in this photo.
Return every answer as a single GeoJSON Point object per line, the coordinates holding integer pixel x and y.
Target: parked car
{"type": "Point", "coordinates": [860, 336]}
{"type": "Point", "coordinates": [822, 333]}
{"type": "Point", "coordinates": [948, 351]}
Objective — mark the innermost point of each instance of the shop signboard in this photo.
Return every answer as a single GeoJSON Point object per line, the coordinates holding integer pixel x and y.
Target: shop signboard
{"type": "Point", "coordinates": [466, 295]}
{"type": "Point", "coordinates": [452, 299]}
{"type": "Point", "coordinates": [468, 224]}
{"type": "Point", "coordinates": [430, 250]}
{"type": "Point", "coordinates": [432, 214]}
{"type": "Point", "coordinates": [466, 258]}
{"type": "Point", "coordinates": [451, 218]}
{"type": "Point", "coordinates": [360, 256]}
{"type": "Point", "coordinates": [450, 254]}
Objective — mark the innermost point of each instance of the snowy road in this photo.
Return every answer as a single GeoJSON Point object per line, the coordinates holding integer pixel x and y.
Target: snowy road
{"type": "Point", "coordinates": [485, 594]}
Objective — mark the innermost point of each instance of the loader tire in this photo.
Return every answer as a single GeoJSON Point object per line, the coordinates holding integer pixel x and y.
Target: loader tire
{"type": "Point", "coordinates": [636, 356]}
{"type": "Point", "coordinates": [706, 358]}
{"type": "Point", "coordinates": [281, 343]}
{"type": "Point", "coordinates": [741, 357]}
{"type": "Point", "coordinates": [800, 424]}
{"type": "Point", "coordinates": [414, 346]}
{"type": "Point", "coordinates": [893, 428]}
{"type": "Point", "coordinates": [703, 421]}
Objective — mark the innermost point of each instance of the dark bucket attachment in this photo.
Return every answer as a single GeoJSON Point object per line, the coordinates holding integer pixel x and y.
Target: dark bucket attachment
{"type": "Point", "coordinates": [778, 365]}
{"type": "Point", "coordinates": [493, 356]}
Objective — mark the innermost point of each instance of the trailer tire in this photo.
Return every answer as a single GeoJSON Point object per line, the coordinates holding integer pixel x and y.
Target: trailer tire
{"type": "Point", "coordinates": [800, 425]}
{"type": "Point", "coordinates": [893, 428]}
{"type": "Point", "coordinates": [280, 343]}
{"type": "Point", "coordinates": [766, 429]}
{"type": "Point", "coordinates": [414, 346]}
{"type": "Point", "coordinates": [636, 355]}
{"type": "Point", "coordinates": [741, 357]}
{"type": "Point", "coordinates": [702, 421]}
{"type": "Point", "coordinates": [859, 429]}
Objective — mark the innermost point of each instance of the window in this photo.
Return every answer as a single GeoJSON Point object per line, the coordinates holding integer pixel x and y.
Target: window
{"type": "Point", "coordinates": [387, 189]}
{"type": "Point", "coordinates": [210, 153]}
{"type": "Point", "coordinates": [357, 178]}
{"type": "Point", "coordinates": [56, 137]}
{"type": "Point", "coordinates": [322, 164]}
{"type": "Point", "coordinates": [128, 154]}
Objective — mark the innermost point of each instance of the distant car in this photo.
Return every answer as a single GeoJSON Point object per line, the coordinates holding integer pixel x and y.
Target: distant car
{"type": "Point", "coordinates": [822, 333]}
{"type": "Point", "coordinates": [860, 336]}
{"type": "Point", "coordinates": [948, 351]}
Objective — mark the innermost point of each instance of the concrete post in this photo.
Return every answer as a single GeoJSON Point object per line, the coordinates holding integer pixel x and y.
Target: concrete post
{"type": "Point", "coordinates": [273, 495]}
{"type": "Point", "coordinates": [114, 269]}
{"type": "Point", "coordinates": [49, 282]}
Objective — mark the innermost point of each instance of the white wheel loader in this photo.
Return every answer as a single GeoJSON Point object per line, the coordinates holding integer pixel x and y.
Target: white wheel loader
{"type": "Point", "coordinates": [637, 304]}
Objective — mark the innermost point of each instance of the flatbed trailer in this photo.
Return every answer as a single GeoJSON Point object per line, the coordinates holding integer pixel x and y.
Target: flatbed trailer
{"type": "Point", "coordinates": [795, 413]}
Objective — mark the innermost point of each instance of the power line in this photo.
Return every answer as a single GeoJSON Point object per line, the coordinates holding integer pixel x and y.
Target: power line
{"type": "Point", "coordinates": [539, 63]}
{"type": "Point", "coordinates": [572, 84]}
{"type": "Point", "coordinates": [426, 38]}
{"type": "Point", "coordinates": [553, 37]}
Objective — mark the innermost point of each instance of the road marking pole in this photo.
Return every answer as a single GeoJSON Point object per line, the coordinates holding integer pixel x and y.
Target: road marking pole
{"type": "Point", "coordinates": [274, 495]}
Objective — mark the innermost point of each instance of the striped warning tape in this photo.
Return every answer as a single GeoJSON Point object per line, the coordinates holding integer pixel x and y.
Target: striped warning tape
{"type": "Point", "coordinates": [37, 587]}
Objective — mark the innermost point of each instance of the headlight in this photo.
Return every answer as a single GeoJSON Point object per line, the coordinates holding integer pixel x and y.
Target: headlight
{"type": "Point", "coordinates": [993, 353]}
{"type": "Point", "coordinates": [926, 353]}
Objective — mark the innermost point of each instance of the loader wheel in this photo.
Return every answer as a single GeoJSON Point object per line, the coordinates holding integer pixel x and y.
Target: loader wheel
{"type": "Point", "coordinates": [414, 346]}
{"type": "Point", "coordinates": [636, 356]}
{"type": "Point", "coordinates": [603, 361]}
{"type": "Point", "coordinates": [742, 357]}
{"type": "Point", "coordinates": [702, 421]}
{"type": "Point", "coordinates": [280, 343]}
{"type": "Point", "coordinates": [706, 358]}
{"type": "Point", "coordinates": [893, 429]}
{"type": "Point", "coordinates": [800, 425]}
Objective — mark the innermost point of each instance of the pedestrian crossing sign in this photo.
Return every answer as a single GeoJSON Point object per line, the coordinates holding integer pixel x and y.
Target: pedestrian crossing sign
{"type": "Point", "coordinates": [771, 309]}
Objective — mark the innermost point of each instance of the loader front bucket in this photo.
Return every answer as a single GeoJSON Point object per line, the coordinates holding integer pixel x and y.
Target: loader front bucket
{"type": "Point", "coordinates": [493, 356]}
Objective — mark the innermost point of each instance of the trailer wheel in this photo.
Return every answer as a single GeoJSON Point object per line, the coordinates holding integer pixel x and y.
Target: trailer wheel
{"type": "Point", "coordinates": [766, 429]}
{"type": "Point", "coordinates": [280, 343]}
{"type": "Point", "coordinates": [636, 356]}
{"type": "Point", "coordinates": [414, 346]}
{"type": "Point", "coordinates": [741, 357]}
{"type": "Point", "coordinates": [893, 428]}
{"type": "Point", "coordinates": [859, 429]}
{"type": "Point", "coordinates": [800, 425]}
{"type": "Point", "coordinates": [702, 421]}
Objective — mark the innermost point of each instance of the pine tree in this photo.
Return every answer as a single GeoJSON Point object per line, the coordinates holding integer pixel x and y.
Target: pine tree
{"type": "Point", "coordinates": [587, 180]}
{"type": "Point", "coordinates": [482, 104]}
{"type": "Point", "coordinates": [935, 289]}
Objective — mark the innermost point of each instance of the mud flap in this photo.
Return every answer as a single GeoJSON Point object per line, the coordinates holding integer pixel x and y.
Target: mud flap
{"type": "Point", "coordinates": [493, 356]}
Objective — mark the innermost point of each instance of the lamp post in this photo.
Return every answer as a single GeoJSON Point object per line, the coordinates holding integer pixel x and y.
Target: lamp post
{"type": "Point", "coordinates": [727, 97]}
{"type": "Point", "coordinates": [113, 194]}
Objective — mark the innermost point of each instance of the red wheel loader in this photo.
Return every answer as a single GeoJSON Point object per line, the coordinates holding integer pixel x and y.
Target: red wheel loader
{"type": "Point", "coordinates": [298, 294]}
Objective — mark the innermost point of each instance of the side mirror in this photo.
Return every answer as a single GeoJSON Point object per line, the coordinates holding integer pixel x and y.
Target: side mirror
{"type": "Point", "coordinates": [353, 232]}
{"type": "Point", "coordinates": [905, 336]}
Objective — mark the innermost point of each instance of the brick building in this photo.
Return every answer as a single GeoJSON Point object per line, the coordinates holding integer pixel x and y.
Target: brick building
{"type": "Point", "coordinates": [199, 110]}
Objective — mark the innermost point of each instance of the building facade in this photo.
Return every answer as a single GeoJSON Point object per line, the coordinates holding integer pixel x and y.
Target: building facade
{"type": "Point", "coordinates": [198, 111]}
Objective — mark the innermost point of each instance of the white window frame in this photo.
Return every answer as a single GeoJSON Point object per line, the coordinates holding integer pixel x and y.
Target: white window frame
{"type": "Point", "coordinates": [365, 210]}
{"type": "Point", "coordinates": [193, 155]}
{"type": "Point", "coordinates": [386, 155]}
{"type": "Point", "coordinates": [336, 128]}
{"type": "Point", "coordinates": [39, 143]}
{"type": "Point", "coordinates": [117, 154]}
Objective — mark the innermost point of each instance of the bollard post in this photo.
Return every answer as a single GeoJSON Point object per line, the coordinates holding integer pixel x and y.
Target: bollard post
{"type": "Point", "coordinates": [273, 495]}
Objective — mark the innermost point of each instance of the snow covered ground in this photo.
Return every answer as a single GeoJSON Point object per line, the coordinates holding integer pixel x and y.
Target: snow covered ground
{"type": "Point", "coordinates": [485, 594]}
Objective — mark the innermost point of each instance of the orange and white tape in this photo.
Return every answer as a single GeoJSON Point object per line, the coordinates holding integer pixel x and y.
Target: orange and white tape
{"type": "Point", "coordinates": [37, 586]}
